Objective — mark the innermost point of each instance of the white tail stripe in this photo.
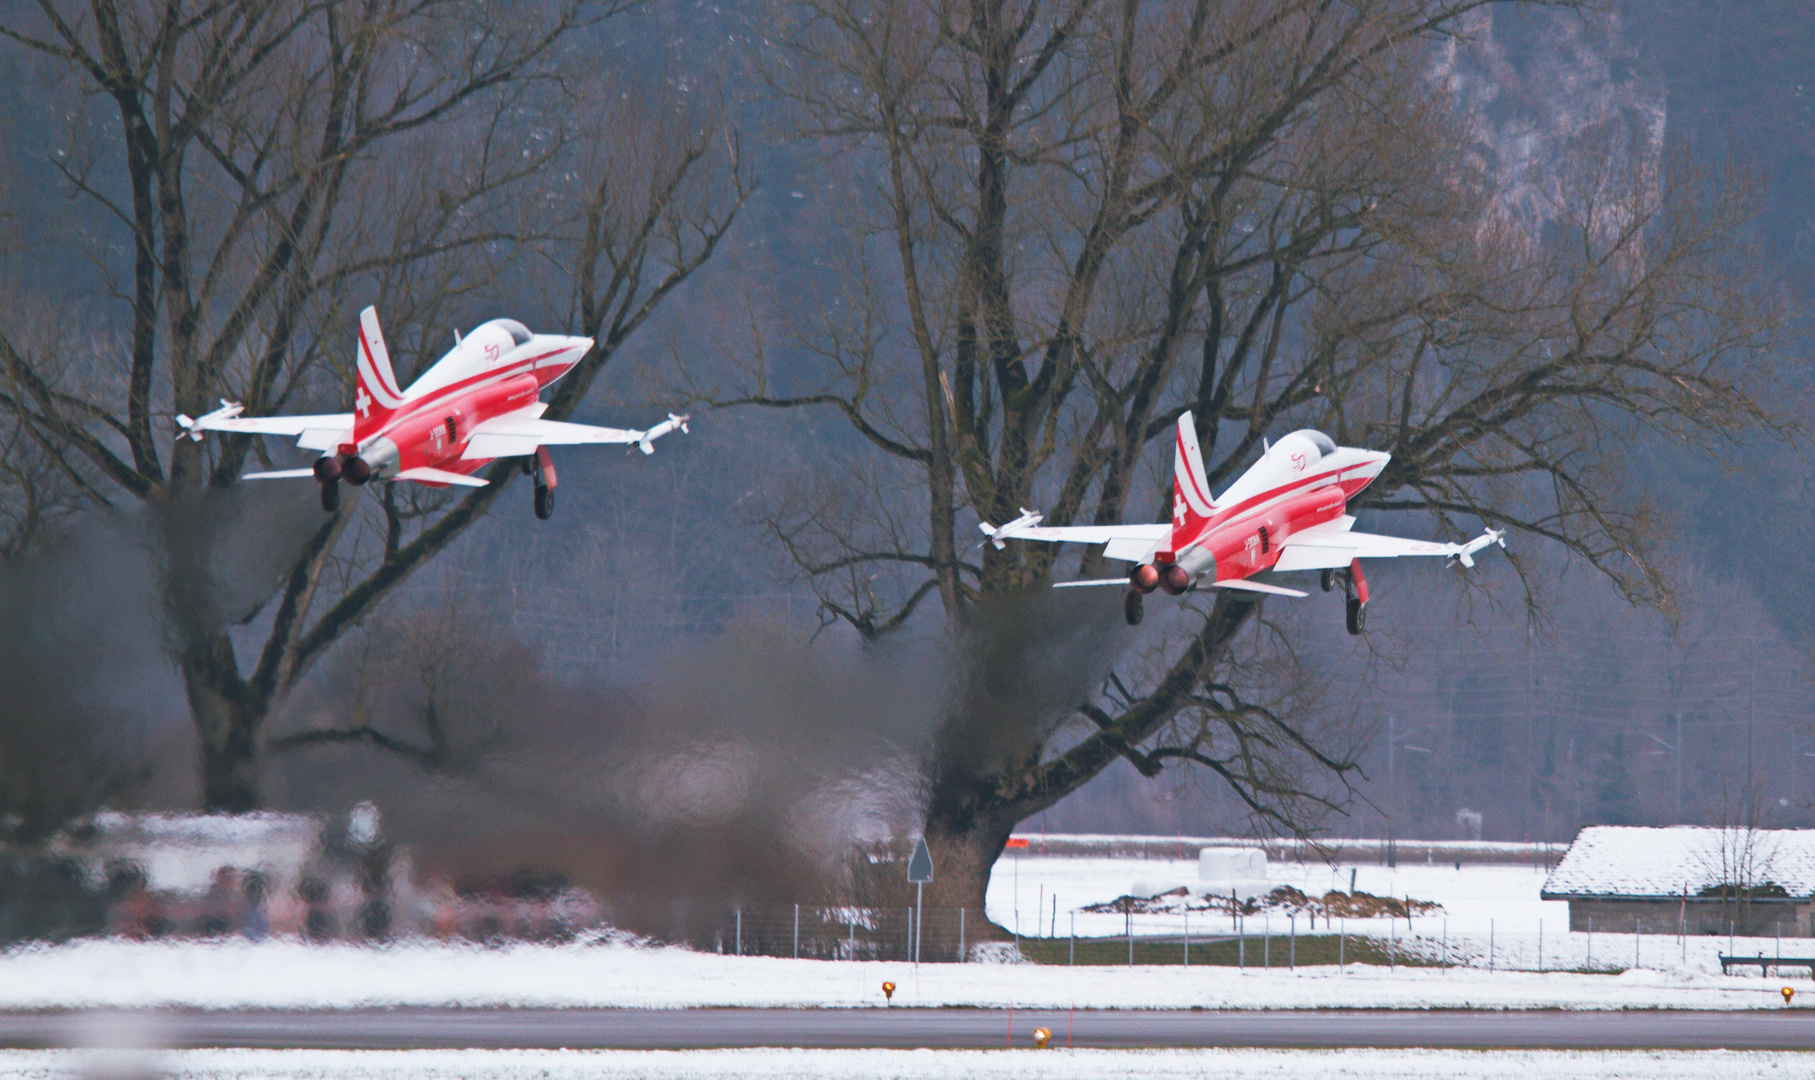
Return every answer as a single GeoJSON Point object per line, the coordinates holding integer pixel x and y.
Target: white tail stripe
{"type": "Point", "coordinates": [375, 362]}
{"type": "Point", "coordinates": [1188, 468]}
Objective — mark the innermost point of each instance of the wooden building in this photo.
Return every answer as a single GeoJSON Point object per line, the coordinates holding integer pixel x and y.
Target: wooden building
{"type": "Point", "coordinates": [1745, 881]}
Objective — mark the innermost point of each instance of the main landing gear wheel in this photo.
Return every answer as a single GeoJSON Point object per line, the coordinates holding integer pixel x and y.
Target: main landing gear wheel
{"type": "Point", "coordinates": [330, 495]}
{"type": "Point", "coordinates": [1357, 616]}
{"type": "Point", "coordinates": [545, 502]}
{"type": "Point", "coordinates": [1327, 578]}
{"type": "Point", "coordinates": [1133, 606]}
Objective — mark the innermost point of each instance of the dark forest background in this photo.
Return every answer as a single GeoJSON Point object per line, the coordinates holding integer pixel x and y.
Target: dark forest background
{"type": "Point", "coordinates": [1586, 712]}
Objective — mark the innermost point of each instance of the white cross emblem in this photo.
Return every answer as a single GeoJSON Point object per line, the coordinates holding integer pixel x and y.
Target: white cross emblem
{"type": "Point", "coordinates": [362, 401]}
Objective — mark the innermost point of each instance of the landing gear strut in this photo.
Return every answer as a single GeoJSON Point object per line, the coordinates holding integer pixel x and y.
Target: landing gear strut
{"type": "Point", "coordinates": [327, 474]}
{"type": "Point", "coordinates": [544, 472]}
{"type": "Point", "coordinates": [1355, 592]}
{"type": "Point", "coordinates": [1133, 606]}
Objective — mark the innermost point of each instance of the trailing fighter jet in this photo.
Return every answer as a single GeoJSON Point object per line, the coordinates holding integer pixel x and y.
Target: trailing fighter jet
{"type": "Point", "coordinates": [476, 404]}
{"type": "Point", "coordinates": [1287, 512]}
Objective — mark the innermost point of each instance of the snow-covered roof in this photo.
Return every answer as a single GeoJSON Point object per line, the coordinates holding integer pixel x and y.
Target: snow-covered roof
{"type": "Point", "coordinates": [181, 852]}
{"type": "Point", "coordinates": [1619, 860]}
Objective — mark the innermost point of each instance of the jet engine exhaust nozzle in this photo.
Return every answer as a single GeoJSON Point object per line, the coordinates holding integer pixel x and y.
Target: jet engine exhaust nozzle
{"type": "Point", "coordinates": [1145, 577]}
{"type": "Point", "coordinates": [356, 471]}
{"type": "Point", "coordinates": [1174, 579]}
{"type": "Point", "coordinates": [327, 469]}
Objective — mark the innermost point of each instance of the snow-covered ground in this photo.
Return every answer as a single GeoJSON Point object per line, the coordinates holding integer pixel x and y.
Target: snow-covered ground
{"type": "Point", "coordinates": [280, 974]}
{"type": "Point", "coordinates": [911, 1064]}
{"type": "Point", "coordinates": [1477, 899]}
{"type": "Point", "coordinates": [1485, 909]}
{"type": "Point", "coordinates": [1482, 905]}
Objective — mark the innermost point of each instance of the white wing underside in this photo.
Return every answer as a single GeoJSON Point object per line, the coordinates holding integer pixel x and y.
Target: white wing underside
{"type": "Point", "coordinates": [517, 434]}
{"type": "Point", "coordinates": [1130, 543]}
{"type": "Point", "coordinates": [442, 476]}
{"type": "Point", "coordinates": [1333, 545]}
{"type": "Point", "coordinates": [321, 432]}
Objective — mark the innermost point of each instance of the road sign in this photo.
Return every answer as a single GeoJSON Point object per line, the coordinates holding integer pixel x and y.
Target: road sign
{"type": "Point", "coordinates": [920, 867]}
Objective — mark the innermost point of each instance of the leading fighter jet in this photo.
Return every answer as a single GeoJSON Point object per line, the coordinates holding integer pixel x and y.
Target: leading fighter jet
{"type": "Point", "coordinates": [1287, 512]}
{"type": "Point", "coordinates": [476, 404]}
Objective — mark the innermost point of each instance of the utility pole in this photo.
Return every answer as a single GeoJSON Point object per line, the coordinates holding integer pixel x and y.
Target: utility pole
{"type": "Point", "coordinates": [1392, 783]}
{"type": "Point", "coordinates": [1751, 694]}
{"type": "Point", "coordinates": [1675, 750]}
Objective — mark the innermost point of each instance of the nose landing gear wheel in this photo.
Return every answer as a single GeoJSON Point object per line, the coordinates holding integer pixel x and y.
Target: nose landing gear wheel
{"type": "Point", "coordinates": [330, 495]}
{"type": "Point", "coordinates": [545, 502]}
{"type": "Point", "coordinates": [1133, 607]}
{"type": "Point", "coordinates": [1357, 616]}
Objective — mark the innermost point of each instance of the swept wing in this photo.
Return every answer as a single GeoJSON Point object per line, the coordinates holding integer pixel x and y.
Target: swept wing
{"type": "Point", "coordinates": [1334, 545]}
{"type": "Point", "coordinates": [518, 434]}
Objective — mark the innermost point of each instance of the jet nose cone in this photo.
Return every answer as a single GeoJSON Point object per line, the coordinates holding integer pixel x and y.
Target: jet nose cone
{"type": "Point", "coordinates": [579, 345]}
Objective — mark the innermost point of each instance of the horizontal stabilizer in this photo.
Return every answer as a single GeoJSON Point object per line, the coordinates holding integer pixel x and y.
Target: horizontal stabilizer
{"type": "Point", "coordinates": [441, 476]}
{"type": "Point", "coordinates": [1254, 586]}
{"type": "Point", "coordinates": [1093, 581]}
{"type": "Point", "coordinates": [280, 474]}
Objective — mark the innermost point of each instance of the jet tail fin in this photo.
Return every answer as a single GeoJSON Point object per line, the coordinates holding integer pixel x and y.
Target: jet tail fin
{"type": "Point", "coordinates": [1191, 501]}
{"type": "Point", "coordinates": [375, 395]}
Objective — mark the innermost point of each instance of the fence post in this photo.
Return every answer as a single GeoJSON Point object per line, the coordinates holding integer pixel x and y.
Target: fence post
{"type": "Point", "coordinates": [1638, 931]}
{"type": "Point", "coordinates": [1490, 944]}
{"type": "Point", "coordinates": [740, 929]}
{"type": "Point", "coordinates": [1590, 962]}
{"type": "Point", "coordinates": [1446, 944]}
{"type": "Point", "coordinates": [1128, 915]}
{"type": "Point", "coordinates": [1392, 943]}
{"type": "Point", "coordinates": [1540, 946]}
{"type": "Point", "coordinates": [1187, 937]}
{"type": "Point", "coordinates": [1342, 943]}
{"type": "Point", "coordinates": [961, 935]}
{"type": "Point", "coordinates": [1266, 943]}
{"type": "Point", "coordinates": [1292, 943]}
{"type": "Point", "coordinates": [852, 947]}
{"type": "Point", "coordinates": [797, 931]}
{"type": "Point", "coordinates": [1074, 940]}
{"type": "Point", "coordinates": [1241, 945]}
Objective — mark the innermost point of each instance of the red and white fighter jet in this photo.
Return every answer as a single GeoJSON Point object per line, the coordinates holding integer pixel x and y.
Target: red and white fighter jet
{"type": "Point", "coordinates": [476, 404]}
{"type": "Point", "coordinates": [1287, 512]}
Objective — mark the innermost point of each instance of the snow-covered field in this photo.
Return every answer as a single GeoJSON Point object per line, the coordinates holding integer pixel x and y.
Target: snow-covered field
{"type": "Point", "coordinates": [1477, 899]}
{"type": "Point", "coordinates": [914, 1064]}
{"type": "Point", "coordinates": [1485, 908]}
{"type": "Point", "coordinates": [1482, 904]}
{"type": "Point", "coordinates": [278, 974]}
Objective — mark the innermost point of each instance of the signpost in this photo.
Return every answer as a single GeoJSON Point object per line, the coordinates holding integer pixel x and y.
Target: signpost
{"type": "Point", "coordinates": [920, 871]}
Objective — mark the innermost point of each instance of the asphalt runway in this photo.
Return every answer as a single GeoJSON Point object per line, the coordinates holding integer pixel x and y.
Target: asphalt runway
{"type": "Point", "coordinates": [1782, 1029]}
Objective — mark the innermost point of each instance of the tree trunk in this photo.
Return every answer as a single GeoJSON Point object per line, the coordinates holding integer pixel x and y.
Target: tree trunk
{"type": "Point", "coordinates": [228, 722]}
{"type": "Point", "coordinates": [981, 789]}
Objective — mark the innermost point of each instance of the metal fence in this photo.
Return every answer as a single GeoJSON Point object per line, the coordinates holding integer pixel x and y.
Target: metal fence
{"type": "Point", "coordinates": [933, 935]}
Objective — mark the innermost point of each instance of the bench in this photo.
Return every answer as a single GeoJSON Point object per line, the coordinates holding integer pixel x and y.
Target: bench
{"type": "Point", "coordinates": [1765, 963]}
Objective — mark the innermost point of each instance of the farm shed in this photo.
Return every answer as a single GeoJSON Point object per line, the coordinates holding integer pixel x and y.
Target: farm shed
{"type": "Point", "coordinates": [1753, 882]}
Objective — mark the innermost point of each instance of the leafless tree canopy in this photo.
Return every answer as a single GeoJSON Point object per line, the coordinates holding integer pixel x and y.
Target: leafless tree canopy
{"type": "Point", "coordinates": [264, 169]}
{"type": "Point", "coordinates": [1080, 219]}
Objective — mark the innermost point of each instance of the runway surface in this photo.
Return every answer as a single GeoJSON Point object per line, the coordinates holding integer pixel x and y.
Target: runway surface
{"type": "Point", "coordinates": [1783, 1029]}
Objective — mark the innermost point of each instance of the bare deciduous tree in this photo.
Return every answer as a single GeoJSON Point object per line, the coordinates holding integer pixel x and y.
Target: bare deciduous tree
{"type": "Point", "coordinates": [1079, 220]}
{"type": "Point", "coordinates": [264, 163]}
